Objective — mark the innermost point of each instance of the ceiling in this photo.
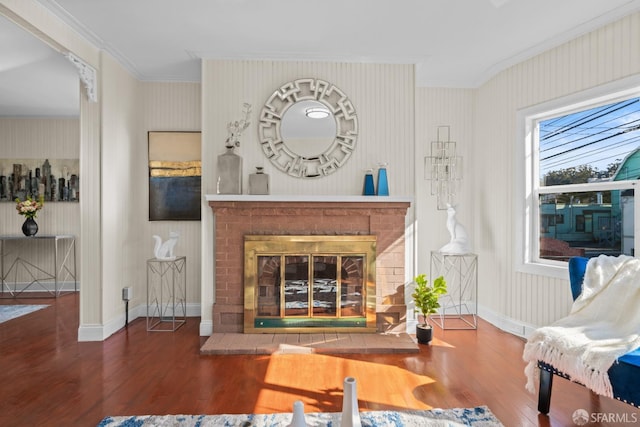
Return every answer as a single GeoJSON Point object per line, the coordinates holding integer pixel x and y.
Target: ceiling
{"type": "Point", "coordinates": [453, 43]}
{"type": "Point", "coordinates": [35, 80]}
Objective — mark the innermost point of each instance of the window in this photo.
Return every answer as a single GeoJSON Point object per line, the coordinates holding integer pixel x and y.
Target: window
{"type": "Point", "coordinates": [582, 163]}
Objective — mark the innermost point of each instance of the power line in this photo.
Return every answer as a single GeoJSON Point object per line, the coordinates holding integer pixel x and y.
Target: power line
{"type": "Point", "coordinates": [634, 128]}
{"type": "Point", "coordinates": [588, 134]}
{"type": "Point", "coordinates": [599, 113]}
{"type": "Point", "coordinates": [615, 155]}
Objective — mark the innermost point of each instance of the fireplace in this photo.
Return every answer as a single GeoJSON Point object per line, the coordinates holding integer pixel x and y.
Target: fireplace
{"type": "Point", "coordinates": [321, 218]}
{"type": "Point", "coordinates": [309, 283]}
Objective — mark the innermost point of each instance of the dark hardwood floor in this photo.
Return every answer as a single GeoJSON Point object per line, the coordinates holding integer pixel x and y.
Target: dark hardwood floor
{"type": "Point", "coordinates": [48, 378]}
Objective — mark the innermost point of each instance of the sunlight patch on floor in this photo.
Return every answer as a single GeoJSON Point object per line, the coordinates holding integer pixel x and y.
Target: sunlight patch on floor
{"type": "Point", "coordinates": [318, 383]}
{"type": "Point", "coordinates": [435, 342]}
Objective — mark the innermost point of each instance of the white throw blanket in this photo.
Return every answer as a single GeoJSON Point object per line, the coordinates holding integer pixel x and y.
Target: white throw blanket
{"type": "Point", "coordinates": [604, 324]}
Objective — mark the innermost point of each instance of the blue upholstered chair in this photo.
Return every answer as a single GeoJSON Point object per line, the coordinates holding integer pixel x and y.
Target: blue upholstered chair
{"type": "Point", "coordinates": [624, 375]}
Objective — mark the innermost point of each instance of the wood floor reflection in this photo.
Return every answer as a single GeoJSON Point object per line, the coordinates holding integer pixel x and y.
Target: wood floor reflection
{"type": "Point", "coordinates": [48, 378]}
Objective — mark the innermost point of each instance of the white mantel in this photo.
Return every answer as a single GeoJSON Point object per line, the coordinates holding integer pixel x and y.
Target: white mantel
{"type": "Point", "coordinates": [305, 198]}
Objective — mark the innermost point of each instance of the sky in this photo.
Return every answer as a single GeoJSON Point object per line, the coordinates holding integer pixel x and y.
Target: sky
{"type": "Point", "coordinates": [597, 137]}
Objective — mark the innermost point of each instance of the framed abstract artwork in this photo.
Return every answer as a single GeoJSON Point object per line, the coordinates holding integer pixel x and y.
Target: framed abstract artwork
{"type": "Point", "coordinates": [175, 173]}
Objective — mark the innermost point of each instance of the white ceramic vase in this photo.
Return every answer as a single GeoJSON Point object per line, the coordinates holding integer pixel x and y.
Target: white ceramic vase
{"type": "Point", "coordinates": [297, 420]}
{"type": "Point", "coordinates": [350, 414]}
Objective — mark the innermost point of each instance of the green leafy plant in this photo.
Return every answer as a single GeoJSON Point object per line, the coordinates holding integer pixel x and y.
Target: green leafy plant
{"type": "Point", "coordinates": [427, 297]}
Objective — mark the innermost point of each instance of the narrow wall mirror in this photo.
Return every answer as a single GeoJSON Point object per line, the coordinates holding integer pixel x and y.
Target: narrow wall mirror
{"type": "Point", "coordinates": [308, 128]}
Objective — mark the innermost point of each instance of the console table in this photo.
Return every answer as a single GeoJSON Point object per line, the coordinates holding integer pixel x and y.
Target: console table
{"type": "Point", "coordinates": [26, 269]}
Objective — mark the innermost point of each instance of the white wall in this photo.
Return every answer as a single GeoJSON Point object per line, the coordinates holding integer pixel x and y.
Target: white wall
{"type": "Point", "coordinates": [166, 107]}
{"type": "Point", "coordinates": [41, 138]}
{"type": "Point", "coordinates": [121, 192]}
{"type": "Point", "coordinates": [602, 56]}
{"type": "Point", "coordinates": [111, 142]}
{"type": "Point", "coordinates": [442, 107]}
{"type": "Point", "coordinates": [129, 110]}
{"type": "Point", "coordinates": [35, 18]}
{"type": "Point", "coordinates": [483, 122]}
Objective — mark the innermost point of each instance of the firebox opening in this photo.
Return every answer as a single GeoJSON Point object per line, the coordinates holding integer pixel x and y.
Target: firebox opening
{"type": "Point", "coordinates": [307, 283]}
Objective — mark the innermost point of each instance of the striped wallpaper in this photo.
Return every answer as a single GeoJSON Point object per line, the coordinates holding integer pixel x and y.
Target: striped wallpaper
{"type": "Point", "coordinates": [605, 55]}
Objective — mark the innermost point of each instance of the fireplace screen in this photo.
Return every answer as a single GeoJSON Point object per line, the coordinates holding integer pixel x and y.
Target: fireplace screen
{"type": "Point", "coordinates": [303, 283]}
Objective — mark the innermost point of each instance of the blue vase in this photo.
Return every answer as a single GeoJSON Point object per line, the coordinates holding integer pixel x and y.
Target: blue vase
{"type": "Point", "coordinates": [383, 183]}
{"type": "Point", "coordinates": [368, 189]}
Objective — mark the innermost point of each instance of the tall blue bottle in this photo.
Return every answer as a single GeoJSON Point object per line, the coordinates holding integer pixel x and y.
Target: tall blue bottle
{"type": "Point", "coordinates": [383, 183]}
{"type": "Point", "coordinates": [368, 189]}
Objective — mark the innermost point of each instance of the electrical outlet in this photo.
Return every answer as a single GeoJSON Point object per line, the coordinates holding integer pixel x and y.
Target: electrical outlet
{"type": "Point", "coordinates": [127, 294]}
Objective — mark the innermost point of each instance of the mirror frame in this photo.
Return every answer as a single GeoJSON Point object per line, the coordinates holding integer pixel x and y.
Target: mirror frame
{"type": "Point", "coordinates": [281, 155]}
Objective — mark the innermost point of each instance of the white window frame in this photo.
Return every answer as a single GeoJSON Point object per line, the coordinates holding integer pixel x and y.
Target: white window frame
{"type": "Point", "coordinates": [527, 188]}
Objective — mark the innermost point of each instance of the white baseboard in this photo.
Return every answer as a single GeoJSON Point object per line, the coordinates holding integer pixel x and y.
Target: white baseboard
{"type": "Point", "coordinates": [102, 332]}
{"type": "Point", "coordinates": [206, 328]}
{"type": "Point", "coordinates": [90, 333]}
{"type": "Point", "coordinates": [498, 320]}
{"type": "Point", "coordinates": [505, 323]}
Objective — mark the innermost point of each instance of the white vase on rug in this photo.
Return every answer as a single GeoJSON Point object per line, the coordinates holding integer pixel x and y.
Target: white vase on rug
{"type": "Point", "coordinates": [350, 415]}
{"type": "Point", "coordinates": [297, 420]}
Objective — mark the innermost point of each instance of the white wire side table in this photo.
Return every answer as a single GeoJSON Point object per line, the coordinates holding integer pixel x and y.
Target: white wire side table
{"type": "Point", "coordinates": [166, 294]}
{"type": "Point", "coordinates": [459, 306]}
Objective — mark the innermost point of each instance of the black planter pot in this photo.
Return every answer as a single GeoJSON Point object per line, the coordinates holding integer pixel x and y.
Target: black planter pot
{"type": "Point", "coordinates": [424, 333]}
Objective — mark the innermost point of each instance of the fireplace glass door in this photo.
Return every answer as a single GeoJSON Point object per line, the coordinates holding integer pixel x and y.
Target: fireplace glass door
{"type": "Point", "coordinates": [327, 295]}
{"type": "Point", "coordinates": [325, 286]}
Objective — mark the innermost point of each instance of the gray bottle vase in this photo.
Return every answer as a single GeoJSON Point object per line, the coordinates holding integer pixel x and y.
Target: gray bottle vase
{"type": "Point", "coordinates": [229, 173]}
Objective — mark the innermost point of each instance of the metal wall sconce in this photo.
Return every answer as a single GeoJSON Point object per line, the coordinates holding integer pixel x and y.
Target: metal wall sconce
{"type": "Point", "coordinates": [443, 168]}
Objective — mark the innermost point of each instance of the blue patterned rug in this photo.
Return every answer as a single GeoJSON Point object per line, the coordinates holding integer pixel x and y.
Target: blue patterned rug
{"type": "Point", "coordinates": [8, 312]}
{"type": "Point", "coordinates": [480, 416]}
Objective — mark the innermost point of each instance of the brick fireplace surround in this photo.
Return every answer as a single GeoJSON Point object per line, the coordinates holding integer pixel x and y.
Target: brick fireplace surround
{"type": "Point", "coordinates": [238, 215]}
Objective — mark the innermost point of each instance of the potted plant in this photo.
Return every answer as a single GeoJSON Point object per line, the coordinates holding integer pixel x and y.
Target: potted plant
{"type": "Point", "coordinates": [427, 302]}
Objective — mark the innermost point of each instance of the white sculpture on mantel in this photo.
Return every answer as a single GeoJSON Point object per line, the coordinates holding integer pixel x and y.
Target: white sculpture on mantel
{"type": "Point", "coordinates": [164, 251]}
{"type": "Point", "coordinates": [459, 243]}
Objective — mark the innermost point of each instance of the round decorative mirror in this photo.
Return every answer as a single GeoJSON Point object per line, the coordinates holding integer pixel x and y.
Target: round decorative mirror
{"type": "Point", "coordinates": [308, 128]}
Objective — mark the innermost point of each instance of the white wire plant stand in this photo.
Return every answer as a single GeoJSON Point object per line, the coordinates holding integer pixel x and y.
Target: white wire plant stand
{"type": "Point", "coordinates": [166, 294]}
{"type": "Point", "coordinates": [459, 306]}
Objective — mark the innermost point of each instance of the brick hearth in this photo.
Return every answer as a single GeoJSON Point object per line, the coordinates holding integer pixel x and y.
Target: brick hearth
{"type": "Point", "coordinates": [237, 216]}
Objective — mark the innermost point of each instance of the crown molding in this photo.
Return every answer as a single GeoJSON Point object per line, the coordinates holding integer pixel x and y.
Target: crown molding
{"type": "Point", "coordinates": [422, 75]}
